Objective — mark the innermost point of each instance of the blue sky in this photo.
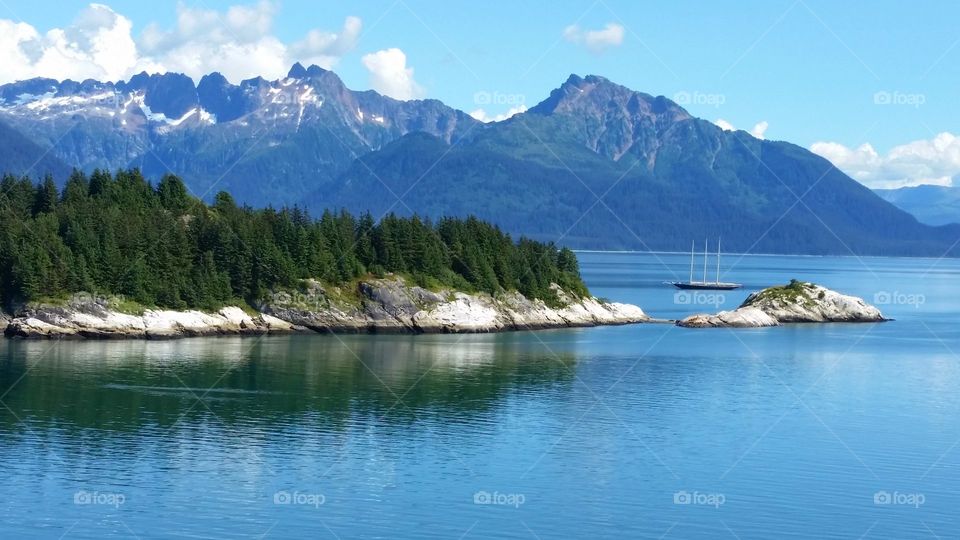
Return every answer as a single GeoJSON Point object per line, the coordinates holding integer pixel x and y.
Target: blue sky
{"type": "Point", "coordinates": [827, 73]}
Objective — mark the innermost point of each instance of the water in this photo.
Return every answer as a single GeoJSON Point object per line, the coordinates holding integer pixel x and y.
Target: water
{"type": "Point", "coordinates": [590, 433]}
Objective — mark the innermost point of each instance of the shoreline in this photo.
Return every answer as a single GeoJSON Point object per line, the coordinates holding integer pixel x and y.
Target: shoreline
{"type": "Point", "coordinates": [392, 306]}
{"type": "Point", "coordinates": [382, 306]}
{"type": "Point", "coordinates": [733, 253]}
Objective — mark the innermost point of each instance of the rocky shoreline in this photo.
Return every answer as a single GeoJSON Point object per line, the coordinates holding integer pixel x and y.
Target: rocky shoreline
{"type": "Point", "coordinates": [381, 305]}
{"type": "Point", "coordinates": [96, 321]}
{"type": "Point", "coordinates": [390, 305]}
{"type": "Point", "coordinates": [796, 302]}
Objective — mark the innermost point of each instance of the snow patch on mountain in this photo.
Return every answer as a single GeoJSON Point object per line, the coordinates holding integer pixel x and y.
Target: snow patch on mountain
{"type": "Point", "coordinates": [50, 102]}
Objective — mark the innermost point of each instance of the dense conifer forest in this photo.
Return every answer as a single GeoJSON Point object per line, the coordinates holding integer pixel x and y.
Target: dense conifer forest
{"type": "Point", "coordinates": [157, 245]}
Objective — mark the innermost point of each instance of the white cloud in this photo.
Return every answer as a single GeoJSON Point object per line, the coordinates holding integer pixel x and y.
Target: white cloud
{"type": "Point", "coordinates": [237, 42]}
{"type": "Point", "coordinates": [325, 48]}
{"type": "Point", "coordinates": [482, 115]}
{"type": "Point", "coordinates": [97, 44]}
{"type": "Point", "coordinates": [724, 125]}
{"type": "Point", "coordinates": [596, 41]}
{"type": "Point", "coordinates": [933, 161]}
{"type": "Point", "coordinates": [759, 129]}
{"type": "Point", "coordinates": [390, 75]}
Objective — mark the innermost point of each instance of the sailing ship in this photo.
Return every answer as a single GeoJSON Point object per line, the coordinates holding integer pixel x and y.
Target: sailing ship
{"type": "Point", "coordinates": [705, 285]}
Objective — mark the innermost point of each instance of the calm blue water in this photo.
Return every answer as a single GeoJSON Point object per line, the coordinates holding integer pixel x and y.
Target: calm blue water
{"type": "Point", "coordinates": [645, 431]}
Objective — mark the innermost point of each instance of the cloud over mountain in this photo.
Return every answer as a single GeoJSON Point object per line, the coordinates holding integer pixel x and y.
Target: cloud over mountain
{"type": "Point", "coordinates": [759, 129]}
{"type": "Point", "coordinates": [390, 75]}
{"type": "Point", "coordinates": [930, 161]}
{"type": "Point", "coordinates": [99, 44]}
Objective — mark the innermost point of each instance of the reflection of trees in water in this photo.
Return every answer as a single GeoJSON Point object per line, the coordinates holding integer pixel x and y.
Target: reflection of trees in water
{"type": "Point", "coordinates": [322, 380]}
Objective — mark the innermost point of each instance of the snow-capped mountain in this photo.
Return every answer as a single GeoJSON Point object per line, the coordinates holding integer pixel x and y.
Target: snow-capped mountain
{"type": "Point", "coordinates": [306, 127]}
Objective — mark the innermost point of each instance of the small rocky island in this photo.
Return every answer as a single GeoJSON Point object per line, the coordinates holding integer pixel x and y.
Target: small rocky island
{"type": "Point", "coordinates": [375, 305]}
{"type": "Point", "coordinates": [796, 302]}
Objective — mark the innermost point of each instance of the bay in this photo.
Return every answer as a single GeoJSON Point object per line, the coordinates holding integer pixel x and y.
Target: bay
{"type": "Point", "coordinates": [641, 431]}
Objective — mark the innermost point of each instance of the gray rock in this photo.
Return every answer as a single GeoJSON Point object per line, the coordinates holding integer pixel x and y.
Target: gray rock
{"type": "Point", "coordinates": [807, 302]}
{"type": "Point", "coordinates": [392, 305]}
{"type": "Point", "coordinates": [744, 317]}
{"type": "Point", "coordinates": [380, 305]}
{"type": "Point", "coordinates": [797, 302]}
{"type": "Point", "coordinates": [82, 318]}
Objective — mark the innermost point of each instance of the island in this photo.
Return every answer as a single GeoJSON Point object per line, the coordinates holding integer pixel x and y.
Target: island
{"type": "Point", "coordinates": [387, 305]}
{"type": "Point", "coordinates": [114, 256]}
{"type": "Point", "coordinates": [796, 302]}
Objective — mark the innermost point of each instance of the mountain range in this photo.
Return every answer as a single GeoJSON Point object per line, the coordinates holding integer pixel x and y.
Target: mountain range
{"type": "Point", "coordinates": [594, 165]}
{"type": "Point", "coordinates": [933, 205]}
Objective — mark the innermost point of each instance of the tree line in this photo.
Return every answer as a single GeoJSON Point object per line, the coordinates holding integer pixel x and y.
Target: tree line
{"type": "Point", "coordinates": [157, 245]}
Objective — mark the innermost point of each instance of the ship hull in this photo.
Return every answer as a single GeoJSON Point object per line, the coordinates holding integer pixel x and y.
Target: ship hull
{"type": "Point", "coordinates": [706, 286]}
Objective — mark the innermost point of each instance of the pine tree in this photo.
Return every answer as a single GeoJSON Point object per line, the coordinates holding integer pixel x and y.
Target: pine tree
{"type": "Point", "coordinates": [173, 194]}
{"type": "Point", "coordinates": [45, 199]}
{"type": "Point", "coordinates": [115, 234]}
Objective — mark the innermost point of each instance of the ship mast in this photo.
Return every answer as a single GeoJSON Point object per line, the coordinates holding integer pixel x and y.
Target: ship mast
{"type": "Point", "coordinates": [718, 259]}
{"type": "Point", "coordinates": [705, 260]}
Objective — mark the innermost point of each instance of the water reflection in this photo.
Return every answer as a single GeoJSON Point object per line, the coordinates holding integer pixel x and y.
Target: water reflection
{"type": "Point", "coordinates": [129, 385]}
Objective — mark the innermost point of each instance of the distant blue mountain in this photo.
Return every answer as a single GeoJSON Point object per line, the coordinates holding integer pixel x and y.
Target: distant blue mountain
{"type": "Point", "coordinates": [22, 156]}
{"type": "Point", "coordinates": [933, 205]}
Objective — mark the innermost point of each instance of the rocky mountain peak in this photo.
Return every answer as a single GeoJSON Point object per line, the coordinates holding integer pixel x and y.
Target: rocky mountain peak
{"type": "Point", "coordinates": [614, 119]}
{"type": "Point", "coordinates": [170, 94]}
{"type": "Point", "coordinates": [224, 100]}
{"type": "Point", "coordinates": [315, 71]}
{"type": "Point", "coordinates": [297, 71]}
{"type": "Point", "coordinates": [595, 95]}
{"type": "Point", "coordinates": [10, 93]}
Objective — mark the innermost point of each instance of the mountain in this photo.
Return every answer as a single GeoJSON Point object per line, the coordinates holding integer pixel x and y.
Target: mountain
{"type": "Point", "coordinates": [597, 165]}
{"type": "Point", "coordinates": [933, 205]}
{"type": "Point", "coordinates": [264, 141]}
{"type": "Point", "coordinates": [594, 165]}
{"type": "Point", "coordinates": [22, 156]}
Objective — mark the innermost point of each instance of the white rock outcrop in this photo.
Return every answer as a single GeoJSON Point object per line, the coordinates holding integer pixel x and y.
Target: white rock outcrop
{"type": "Point", "coordinates": [381, 305]}
{"type": "Point", "coordinates": [797, 302]}
{"type": "Point", "coordinates": [94, 320]}
{"type": "Point", "coordinates": [744, 317]}
{"type": "Point", "coordinates": [513, 311]}
{"type": "Point", "coordinates": [812, 303]}
{"type": "Point", "coordinates": [391, 305]}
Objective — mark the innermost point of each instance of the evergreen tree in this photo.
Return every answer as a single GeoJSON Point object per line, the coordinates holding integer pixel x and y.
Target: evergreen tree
{"type": "Point", "coordinates": [115, 234]}
{"type": "Point", "coordinates": [46, 196]}
{"type": "Point", "coordinates": [173, 194]}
